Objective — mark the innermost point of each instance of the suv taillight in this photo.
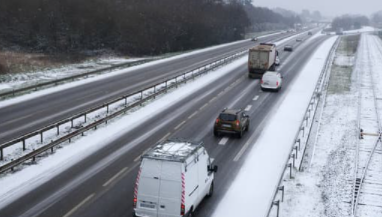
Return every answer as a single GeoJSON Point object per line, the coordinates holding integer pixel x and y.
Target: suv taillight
{"type": "Point", "coordinates": [277, 83]}
{"type": "Point", "coordinates": [237, 123]}
{"type": "Point", "coordinates": [217, 121]}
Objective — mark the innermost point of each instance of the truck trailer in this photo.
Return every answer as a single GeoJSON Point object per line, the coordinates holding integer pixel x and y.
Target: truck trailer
{"type": "Point", "coordinates": [261, 58]}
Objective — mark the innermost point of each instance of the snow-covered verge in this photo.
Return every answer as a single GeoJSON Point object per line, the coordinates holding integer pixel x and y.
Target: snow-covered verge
{"type": "Point", "coordinates": [17, 184]}
{"type": "Point", "coordinates": [362, 30]}
{"type": "Point", "coordinates": [252, 191]}
{"type": "Point", "coordinates": [19, 80]}
{"type": "Point", "coordinates": [324, 188]}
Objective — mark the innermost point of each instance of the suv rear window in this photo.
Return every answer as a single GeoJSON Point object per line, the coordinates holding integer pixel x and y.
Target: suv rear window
{"type": "Point", "coordinates": [227, 117]}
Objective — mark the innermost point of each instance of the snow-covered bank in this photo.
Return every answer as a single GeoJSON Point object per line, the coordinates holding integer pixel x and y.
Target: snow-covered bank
{"type": "Point", "coordinates": [20, 80]}
{"type": "Point", "coordinates": [252, 191]}
{"type": "Point", "coordinates": [362, 30]}
{"type": "Point", "coordinates": [15, 185]}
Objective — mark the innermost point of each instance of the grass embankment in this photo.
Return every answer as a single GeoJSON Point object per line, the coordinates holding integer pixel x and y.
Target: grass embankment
{"type": "Point", "coordinates": [340, 78]}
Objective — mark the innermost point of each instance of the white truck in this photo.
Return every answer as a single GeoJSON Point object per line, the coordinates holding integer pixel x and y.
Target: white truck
{"type": "Point", "coordinates": [173, 179]}
{"type": "Point", "coordinates": [261, 58]}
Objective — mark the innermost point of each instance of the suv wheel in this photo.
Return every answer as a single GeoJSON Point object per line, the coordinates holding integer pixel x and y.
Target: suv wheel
{"type": "Point", "coordinates": [247, 127]}
{"type": "Point", "coordinates": [240, 134]}
{"type": "Point", "coordinates": [216, 133]}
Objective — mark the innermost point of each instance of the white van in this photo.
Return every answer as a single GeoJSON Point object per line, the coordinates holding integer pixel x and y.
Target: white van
{"type": "Point", "coordinates": [173, 179]}
{"type": "Point", "coordinates": [271, 81]}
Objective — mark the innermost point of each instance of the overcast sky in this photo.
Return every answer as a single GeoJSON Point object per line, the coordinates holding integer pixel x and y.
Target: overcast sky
{"type": "Point", "coordinates": [326, 7]}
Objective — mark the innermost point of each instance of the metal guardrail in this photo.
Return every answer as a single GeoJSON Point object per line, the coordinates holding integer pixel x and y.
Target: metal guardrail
{"type": "Point", "coordinates": [71, 78]}
{"type": "Point", "coordinates": [302, 136]}
{"type": "Point", "coordinates": [154, 90]}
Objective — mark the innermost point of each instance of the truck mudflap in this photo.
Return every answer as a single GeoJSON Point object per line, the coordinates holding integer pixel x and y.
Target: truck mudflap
{"type": "Point", "coordinates": [255, 74]}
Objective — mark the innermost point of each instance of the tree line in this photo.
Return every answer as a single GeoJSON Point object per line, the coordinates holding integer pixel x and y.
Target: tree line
{"type": "Point", "coordinates": [136, 27]}
{"type": "Point", "coordinates": [349, 22]}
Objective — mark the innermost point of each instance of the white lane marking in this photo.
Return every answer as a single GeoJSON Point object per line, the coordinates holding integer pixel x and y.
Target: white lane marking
{"type": "Point", "coordinates": [193, 114]}
{"type": "Point", "coordinates": [223, 141]}
{"type": "Point", "coordinates": [241, 152]}
{"type": "Point", "coordinates": [256, 98]}
{"type": "Point", "coordinates": [79, 205]}
{"type": "Point", "coordinates": [137, 158]}
{"type": "Point", "coordinates": [205, 105]}
{"type": "Point", "coordinates": [213, 99]}
{"type": "Point", "coordinates": [163, 138]}
{"type": "Point", "coordinates": [114, 177]}
{"type": "Point", "coordinates": [248, 108]}
{"type": "Point", "coordinates": [177, 127]}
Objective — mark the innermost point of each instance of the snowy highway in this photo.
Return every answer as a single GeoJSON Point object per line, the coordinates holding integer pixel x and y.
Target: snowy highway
{"type": "Point", "coordinates": [18, 117]}
{"type": "Point", "coordinates": [98, 178]}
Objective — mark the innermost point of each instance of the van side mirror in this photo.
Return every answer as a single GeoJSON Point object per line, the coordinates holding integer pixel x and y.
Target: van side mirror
{"type": "Point", "coordinates": [213, 169]}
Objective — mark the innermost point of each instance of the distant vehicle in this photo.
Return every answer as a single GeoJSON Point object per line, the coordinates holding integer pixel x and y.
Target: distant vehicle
{"type": "Point", "coordinates": [339, 33]}
{"type": "Point", "coordinates": [310, 33]}
{"type": "Point", "coordinates": [271, 81]}
{"type": "Point", "coordinates": [231, 121]}
{"type": "Point", "coordinates": [173, 179]}
{"type": "Point", "coordinates": [298, 39]}
{"type": "Point", "coordinates": [288, 48]}
{"type": "Point", "coordinates": [261, 58]}
{"type": "Point", "coordinates": [277, 62]}
{"type": "Point", "coordinates": [254, 39]}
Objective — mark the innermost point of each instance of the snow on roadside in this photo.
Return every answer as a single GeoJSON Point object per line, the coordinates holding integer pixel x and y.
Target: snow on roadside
{"type": "Point", "coordinates": [19, 80]}
{"type": "Point", "coordinates": [324, 188]}
{"type": "Point", "coordinates": [251, 192]}
{"type": "Point", "coordinates": [362, 30]}
{"type": "Point", "coordinates": [15, 185]}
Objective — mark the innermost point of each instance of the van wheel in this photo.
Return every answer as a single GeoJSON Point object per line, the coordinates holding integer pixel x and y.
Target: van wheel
{"type": "Point", "coordinates": [211, 191]}
{"type": "Point", "coordinates": [247, 128]}
{"type": "Point", "coordinates": [191, 213]}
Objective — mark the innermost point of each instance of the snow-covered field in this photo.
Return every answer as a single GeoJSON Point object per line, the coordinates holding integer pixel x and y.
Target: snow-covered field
{"type": "Point", "coordinates": [362, 30]}
{"type": "Point", "coordinates": [325, 187]}
{"type": "Point", "coordinates": [252, 191]}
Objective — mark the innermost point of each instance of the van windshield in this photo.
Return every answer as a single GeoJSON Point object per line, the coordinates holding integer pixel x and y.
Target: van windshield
{"type": "Point", "coordinates": [227, 117]}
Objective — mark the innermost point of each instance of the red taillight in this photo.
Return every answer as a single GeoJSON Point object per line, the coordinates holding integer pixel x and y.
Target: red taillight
{"type": "Point", "coordinates": [217, 121]}
{"type": "Point", "coordinates": [135, 202]}
{"type": "Point", "coordinates": [237, 123]}
{"type": "Point", "coordinates": [182, 209]}
{"type": "Point", "coordinates": [277, 83]}
{"type": "Point", "coordinates": [261, 81]}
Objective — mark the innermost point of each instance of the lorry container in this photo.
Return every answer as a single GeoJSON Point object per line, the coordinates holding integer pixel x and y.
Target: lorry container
{"type": "Point", "coordinates": [261, 58]}
{"type": "Point", "coordinates": [173, 179]}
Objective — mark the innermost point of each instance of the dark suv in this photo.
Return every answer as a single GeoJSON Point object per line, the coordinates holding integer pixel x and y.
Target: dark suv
{"type": "Point", "coordinates": [231, 121]}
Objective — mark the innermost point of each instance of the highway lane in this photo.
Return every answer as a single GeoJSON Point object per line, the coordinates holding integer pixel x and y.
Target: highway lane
{"type": "Point", "coordinates": [24, 117]}
{"type": "Point", "coordinates": [86, 189]}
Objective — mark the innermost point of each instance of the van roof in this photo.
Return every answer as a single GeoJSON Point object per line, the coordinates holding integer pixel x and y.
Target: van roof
{"type": "Point", "coordinates": [173, 150]}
